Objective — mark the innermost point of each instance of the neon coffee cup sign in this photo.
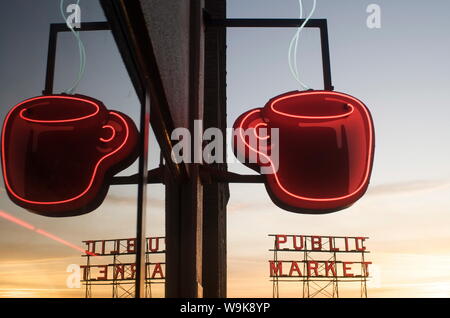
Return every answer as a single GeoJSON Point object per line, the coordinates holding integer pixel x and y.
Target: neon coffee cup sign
{"type": "Point", "coordinates": [59, 153]}
{"type": "Point", "coordinates": [325, 149]}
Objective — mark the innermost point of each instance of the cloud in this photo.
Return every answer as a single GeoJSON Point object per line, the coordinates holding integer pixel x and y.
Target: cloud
{"type": "Point", "coordinates": [131, 200]}
{"type": "Point", "coordinates": [408, 187]}
{"type": "Point", "coordinates": [34, 261]}
{"type": "Point", "coordinates": [262, 200]}
{"type": "Point", "coordinates": [237, 207]}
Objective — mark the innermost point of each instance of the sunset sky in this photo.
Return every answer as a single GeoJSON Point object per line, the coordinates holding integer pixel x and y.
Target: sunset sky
{"type": "Point", "coordinates": [400, 71]}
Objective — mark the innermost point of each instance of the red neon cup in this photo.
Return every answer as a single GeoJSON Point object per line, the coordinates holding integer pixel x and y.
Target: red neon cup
{"type": "Point", "coordinates": [59, 152]}
{"type": "Point", "coordinates": [325, 149]}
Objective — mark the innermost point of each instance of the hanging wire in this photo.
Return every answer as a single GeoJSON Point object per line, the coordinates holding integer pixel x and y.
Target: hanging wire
{"type": "Point", "coordinates": [81, 51]}
{"type": "Point", "coordinates": [293, 45]}
{"type": "Point", "coordinates": [294, 68]}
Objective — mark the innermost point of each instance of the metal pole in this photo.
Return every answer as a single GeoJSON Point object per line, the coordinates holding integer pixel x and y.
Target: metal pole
{"type": "Point", "coordinates": [335, 262]}
{"type": "Point", "coordinates": [142, 199]}
{"type": "Point", "coordinates": [215, 194]}
{"type": "Point", "coordinates": [88, 277]}
{"type": "Point", "coordinates": [326, 64]}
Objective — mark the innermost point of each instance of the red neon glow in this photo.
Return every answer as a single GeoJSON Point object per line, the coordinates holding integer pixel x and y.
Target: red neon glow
{"type": "Point", "coordinates": [11, 191]}
{"type": "Point", "coordinates": [272, 106]}
{"type": "Point", "coordinates": [13, 219]}
{"type": "Point", "coordinates": [248, 121]}
{"type": "Point", "coordinates": [113, 133]}
{"type": "Point", "coordinates": [60, 240]}
{"type": "Point", "coordinates": [28, 226]}
{"type": "Point", "coordinates": [293, 194]}
{"type": "Point", "coordinates": [97, 109]}
{"type": "Point", "coordinates": [256, 129]}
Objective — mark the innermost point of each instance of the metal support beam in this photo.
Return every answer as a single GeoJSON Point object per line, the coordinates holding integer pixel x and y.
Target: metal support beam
{"type": "Point", "coordinates": [215, 175]}
{"type": "Point", "coordinates": [208, 175]}
{"type": "Point", "coordinates": [262, 23]}
{"type": "Point", "coordinates": [142, 199]}
{"type": "Point", "coordinates": [154, 176]}
{"type": "Point", "coordinates": [215, 193]}
{"type": "Point", "coordinates": [133, 40]}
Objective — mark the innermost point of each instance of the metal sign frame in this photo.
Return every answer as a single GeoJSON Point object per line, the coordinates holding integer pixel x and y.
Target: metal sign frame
{"type": "Point", "coordinates": [321, 24]}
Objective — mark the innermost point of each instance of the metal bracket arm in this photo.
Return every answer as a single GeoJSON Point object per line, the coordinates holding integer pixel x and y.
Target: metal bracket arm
{"type": "Point", "coordinates": [282, 23]}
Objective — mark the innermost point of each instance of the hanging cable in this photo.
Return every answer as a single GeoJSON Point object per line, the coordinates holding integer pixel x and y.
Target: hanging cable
{"type": "Point", "coordinates": [81, 51]}
{"type": "Point", "coordinates": [293, 68]}
{"type": "Point", "coordinates": [293, 46]}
